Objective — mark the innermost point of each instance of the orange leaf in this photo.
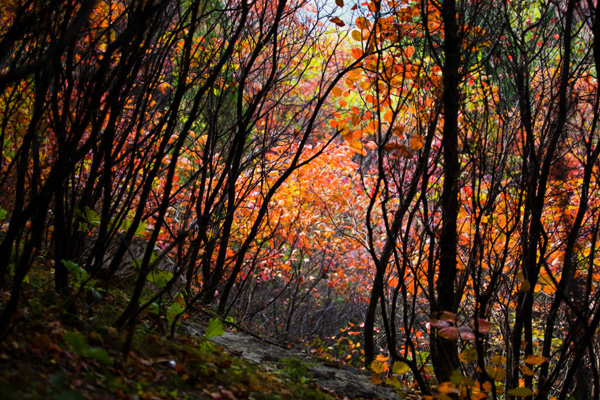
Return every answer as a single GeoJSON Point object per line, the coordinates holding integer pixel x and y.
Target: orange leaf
{"type": "Point", "coordinates": [416, 142]}
{"type": "Point", "coordinates": [535, 359]}
{"type": "Point", "coordinates": [357, 53]}
{"type": "Point", "coordinates": [362, 23]}
{"type": "Point", "coordinates": [525, 370]}
{"type": "Point", "coordinates": [447, 387]}
{"type": "Point", "coordinates": [387, 117]}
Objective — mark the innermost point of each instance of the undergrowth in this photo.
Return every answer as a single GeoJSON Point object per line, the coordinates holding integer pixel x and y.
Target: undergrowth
{"type": "Point", "coordinates": [69, 350]}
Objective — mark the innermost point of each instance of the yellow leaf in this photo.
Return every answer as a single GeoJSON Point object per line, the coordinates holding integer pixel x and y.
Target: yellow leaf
{"type": "Point", "coordinates": [394, 382]}
{"type": "Point", "coordinates": [376, 380]}
{"type": "Point", "coordinates": [356, 35]}
{"type": "Point", "coordinates": [468, 355]}
{"type": "Point", "coordinates": [400, 368]}
{"type": "Point", "coordinates": [358, 147]}
{"type": "Point", "coordinates": [379, 367]}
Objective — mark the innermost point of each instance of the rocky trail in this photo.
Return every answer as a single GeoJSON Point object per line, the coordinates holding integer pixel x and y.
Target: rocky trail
{"type": "Point", "coordinates": [345, 382]}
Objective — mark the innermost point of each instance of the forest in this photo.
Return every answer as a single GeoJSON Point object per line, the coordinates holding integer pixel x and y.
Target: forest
{"type": "Point", "coordinates": [411, 187]}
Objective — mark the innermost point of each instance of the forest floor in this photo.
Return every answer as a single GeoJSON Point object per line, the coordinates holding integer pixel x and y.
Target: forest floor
{"type": "Point", "coordinates": [58, 355]}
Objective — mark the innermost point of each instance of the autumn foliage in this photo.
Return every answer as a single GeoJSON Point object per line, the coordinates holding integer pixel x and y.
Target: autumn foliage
{"type": "Point", "coordinates": [419, 177]}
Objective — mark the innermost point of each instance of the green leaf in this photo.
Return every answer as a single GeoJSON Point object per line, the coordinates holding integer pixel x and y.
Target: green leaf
{"type": "Point", "coordinates": [393, 381]}
{"type": "Point", "coordinates": [99, 354]}
{"type": "Point", "coordinates": [215, 328]}
{"type": "Point", "coordinates": [160, 278]}
{"type": "Point", "coordinates": [69, 395]}
{"type": "Point", "coordinates": [174, 310]}
{"type": "Point", "coordinates": [141, 229]}
{"type": "Point", "coordinates": [77, 341]}
{"type": "Point", "coordinates": [80, 275]}
{"type": "Point", "coordinates": [79, 344]}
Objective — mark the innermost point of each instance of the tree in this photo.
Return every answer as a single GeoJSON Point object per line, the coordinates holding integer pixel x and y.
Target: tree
{"type": "Point", "coordinates": [485, 227]}
{"type": "Point", "coordinates": [153, 123]}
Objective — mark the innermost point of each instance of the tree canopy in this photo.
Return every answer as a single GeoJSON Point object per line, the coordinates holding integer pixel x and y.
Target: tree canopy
{"type": "Point", "coordinates": [407, 185]}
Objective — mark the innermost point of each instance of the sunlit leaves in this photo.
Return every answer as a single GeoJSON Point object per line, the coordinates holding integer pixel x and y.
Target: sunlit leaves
{"type": "Point", "coordinates": [357, 53]}
{"type": "Point", "coordinates": [416, 142]}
